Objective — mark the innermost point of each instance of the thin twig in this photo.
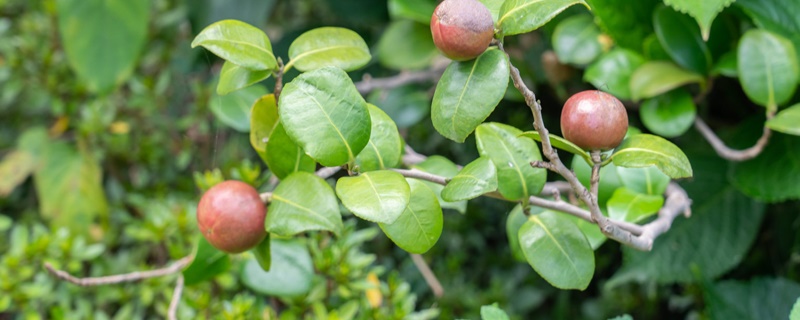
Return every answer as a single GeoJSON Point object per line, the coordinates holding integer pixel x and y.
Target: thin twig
{"type": "Point", "coordinates": [176, 299]}
{"type": "Point", "coordinates": [176, 267]}
{"type": "Point", "coordinates": [428, 275]}
{"type": "Point", "coordinates": [677, 202]}
{"type": "Point", "coordinates": [731, 154]}
{"type": "Point", "coordinates": [368, 84]}
{"type": "Point", "coordinates": [327, 172]}
{"type": "Point", "coordinates": [422, 175]}
{"type": "Point", "coordinates": [278, 80]}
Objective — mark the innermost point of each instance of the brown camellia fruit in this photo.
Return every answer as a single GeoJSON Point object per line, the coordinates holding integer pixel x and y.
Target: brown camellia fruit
{"type": "Point", "coordinates": [231, 216]}
{"type": "Point", "coordinates": [594, 120]}
{"type": "Point", "coordinates": [462, 29]}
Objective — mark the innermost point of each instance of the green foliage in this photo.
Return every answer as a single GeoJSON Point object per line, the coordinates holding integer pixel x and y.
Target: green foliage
{"type": "Point", "coordinates": [418, 228]}
{"type": "Point", "coordinates": [768, 68]}
{"type": "Point", "coordinates": [475, 179]}
{"type": "Point", "coordinates": [658, 77]}
{"type": "Point", "coordinates": [377, 196]}
{"type": "Point", "coordinates": [303, 202]}
{"type": "Point", "coordinates": [385, 147]}
{"type": "Point", "coordinates": [523, 16]}
{"type": "Point", "coordinates": [644, 150]}
{"type": "Point", "coordinates": [670, 114]}
{"type": "Point", "coordinates": [612, 71]}
{"type": "Point", "coordinates": [328, 46]}
{"type": "Point", "coordinates": [760, 298]}
{"type": "Point", "coordinates": [576, 40]}
{"type": "Point", "coordinates": [511, 156]}
{"type": "Point", "coordinates": [786, 121]}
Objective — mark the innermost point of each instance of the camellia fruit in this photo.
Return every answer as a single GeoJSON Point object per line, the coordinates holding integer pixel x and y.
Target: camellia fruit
{"type": "Point", "coordinates": [594, 120]}
{"type": "Point", "coordinates": [231, 216]}
{"type": "Point", "coordinates": [462, 29]}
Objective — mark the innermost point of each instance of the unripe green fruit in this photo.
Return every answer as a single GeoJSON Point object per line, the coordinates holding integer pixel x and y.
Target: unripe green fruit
{"type": "Point", "coordinates": [594, 120]}
{"type": "Point", "coordinates": [231, 216]}
{"type": "Point", "coordinates": [462, 29]}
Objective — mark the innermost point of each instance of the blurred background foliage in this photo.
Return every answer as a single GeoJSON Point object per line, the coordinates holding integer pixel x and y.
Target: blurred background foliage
{"type": "Point", "coordinates": [102, 158]}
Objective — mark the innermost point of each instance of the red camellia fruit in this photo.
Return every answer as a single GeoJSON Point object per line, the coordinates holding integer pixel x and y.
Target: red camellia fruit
{"type": "Point", "coordinates": [594, 120]}
{"type": "Point", "coordinates": [231, 216]}
{"type": "Point", "coordinates": [462, 29]}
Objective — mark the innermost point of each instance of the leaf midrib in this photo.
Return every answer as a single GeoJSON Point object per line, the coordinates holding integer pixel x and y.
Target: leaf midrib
{"type": "Point", "coordinates": [536, 220]}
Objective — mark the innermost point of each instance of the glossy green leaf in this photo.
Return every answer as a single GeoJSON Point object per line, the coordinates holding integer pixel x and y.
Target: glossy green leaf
{"type": "Point", "coordinates": [406, 105]}
{"type": "Point", "coordinates": [772, 175]}
{"type": "Point", "coordinates": [628, 23]}
{"type": "Point", "coordinates": [628, 205]}
{"type": "Point", "coordinates": [768, 68]}
{"type": "Point", "coordinates": [102, 39]}
{"type": "Point", "coordinates": [576, 40]}
{"type": "Point", "coordinates": [644, 150]}
{"type": "Point", "coordinates": [557, 250]}
{"type": "Point", "coordinates": [647, 180]}
{"type": "Point", "coordinates": [441, 166]}
{"type": "Point", "coordinates": [303, 202]}
{"type": "Point", "coordinates": [263, 120]}
{"type": "Point", "coordinates": [692, 249]}
{"type": "Point", "coordinates": [757, 298]}
{"type": "Point", "coordinates": [377, 196]}
{"type": "Point", "coordinates": [726, 65]}
{"type": "Point", "coordinates": [523, 16]}
{"type": "Point", "coordinates": [560, 143]}
{"type": "Point", "coordinates": [417, 10]}
{"type": "Point", "coordinates": [468, 92]}
{"type": "Point", "coordinates": [779, 16]}
{"type": "Point", "coordinates": [592, 232]}
{"type": "Point", "coordinates": [494, 7]}
{"type": "Point", "coordinates": [493, 312]}
{"type": "Point", "coordinates": [234, 109]}
{"type": "Point", "coordinates": [328, 47]}
{"type": "Point", "coordinates": [681, 38]}
{"type": "Point", "coordinates": [291, 273]}
{"type": "Point", "coordinates": [420, 225]}
{"type": "Point", "coordinates": [233, 77]}
{"type": "Point", "coordinates": [795, 314]}
{"type": "Point", "coordinates": [702, 11]}
{"type": "Point", "coordinates": [16, 166]}
{"type": "Point", "coordinates": [406, 45]}
{"type": "Point", "coordinates": [284, 156]}
{"type": "Point", "coordinates": [477, 177]}
{"type": "Point", "coordinates": [670, 114]}
{"type": "Point", "coordinates": [609, 179]}
{"type": "Point", "coordinates": [208, 262]}
{"type": "Point", "coordinates": [786, 121]}
{"type": "Point", "coordinates": [263, 254]}
{"type": "Point", "coordinates": [612, 72]}
{"type": "Point", "coordinates": [653, 50]}
{"type": "Point", "coordinates": [324, 113]}
{"type": "Point", "coordinates": [512, 156]}
{"type": "Point", "coordinates": [657, 77]}
{"type": "Point", "coordinates": [238, 42]}
{"type": "Point", "coordinates": [516, 218]}
{"type": "Point", "coordinates": [385, 147]}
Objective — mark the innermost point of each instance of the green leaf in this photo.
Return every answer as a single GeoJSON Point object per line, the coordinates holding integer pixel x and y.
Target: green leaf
{"type": "Point", "coordinates": [207, 263]}
{"type": "Point", "coordinates": [516, 218]}
{"type": "Point", "coordinates": [406, 45]}
{"type": "Point", "coordinates": [441, 166]}
{"type": "Point", "coordinates": [669, 114]}
{"type": "Point", "coordinates": [682, 40]}
{"type": "Point", "coordinates": [324, 113]}
{"type": "Point", "coordinates": [523, 16]}
{"type": "Point", "coordinates": [477, 177]}
{"type": "Point", "coordinates": [576, 40]}
{"type": "Point", "coordinates": [768, 68]}
{"type": "Point", "coordinates": [758, 298]}
{"type": "Point", "coordinates": [263, 254]}
{"type": "Point", "coordinates": [648, 180]}
{"type": "Point", "coordinates": [692, 249]}
{"type": "Point", "coordinates": [233, 77]}
{"type": "Point", "coordinates": [628, 23]}
{"type": "Point", "coordinates": [560, 143]}
{"type": "Point", "coordinates": [511, 155]}
{"type": "Point", "coordinates": [328, 47]}
{"type": "Point", "coordinates": [291, 273]}
{"type": "Point", "coordinates": [557, 250]}
{"type": "Point", "coordinates": [612, 72]}
{"type": "Point", "coordinates": [644, 150]}
{"type": "Point", "coordinates": [263, 120]}
{"type": "Point", "coordinates": [5, 223]}
{"type": "Point", "coordinates": [609, 179]}
{"type": "Point", "coordinates": [786, 121]}
{"type": "Point", "coordinates": [593, 234]}
{"type": "Point", "coordinates": [385, 147]}
{"type": "Point", "coordinates": [234, 109]}
{"type": "Point", "coordinates": [102, 39]}
{"type": "Point", "coordinates": [494, 7]}
{"type": "Point", "coordinates": [377, 196]}
{"type": "Point", "coordinates": [16, 166]}
{"type": "Point", "coordinates": [702, 11]}
{"type": "Point", "coordinates": [628, 205]}
{"type": "Point", "coordinates": [656, 77]}
{"type": "Point", "coordinates": [779, 16]}
{"type": "Point", "coordinates": [416, 10]}
{"type": "Point", "coordinates": [238, 42]}
{"type": "Point", "coordinates": [406, 105]}
{"type": "Point", "coordinates": [795, 314]}
{"type": "Point", "coordinates": [303, 202]}
{"type": "Point", "coordinates": [727, 65]}
{"type": "Point", "coordinates": [420, 225]}
{"type": "Point", "coordinates": [493, 312]}
{"type": "Point", "coordinates": [468, 92]}
{"type": "Point", "coordinates": [284, 156]}
{"type": "Point", "coordinates": [622, 317]}
{"type": "Point", "coordinates": [772, 175]}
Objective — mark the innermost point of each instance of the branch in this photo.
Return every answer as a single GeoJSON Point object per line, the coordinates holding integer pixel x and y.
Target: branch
{"type": "Point", "coordinates": [677, 202]}
{"type": "Point", "coordinates": [127, 277]}
{"type": "Point", "coordinates": [368, 83]}
{"type": "Point", "coordinates": [731, 154]}
{"type": "Point", "coordinates": [279, 80]}
{"type": "Point", "coordinates": [428, 275]}
{"type": "Point", "coordinates": [176, 298]}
